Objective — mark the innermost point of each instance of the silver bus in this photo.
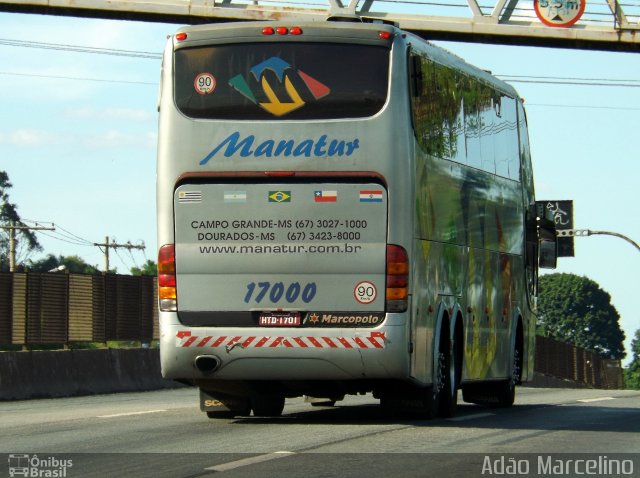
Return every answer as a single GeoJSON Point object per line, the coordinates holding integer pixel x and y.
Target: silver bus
{"type": "Point", "coordinates": [343, 208]}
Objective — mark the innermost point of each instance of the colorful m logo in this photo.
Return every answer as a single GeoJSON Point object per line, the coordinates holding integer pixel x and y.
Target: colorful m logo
{"type": "Point", "coordinates": [282, 69]}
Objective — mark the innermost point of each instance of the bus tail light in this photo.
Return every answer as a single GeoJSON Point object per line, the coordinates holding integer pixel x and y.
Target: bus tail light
{"type": "Point", "coordinates": [282, 31]}
{"type": "Point", "coordinates": [397, 294]}
{"type": "Point", "coordinates": [167, 293]}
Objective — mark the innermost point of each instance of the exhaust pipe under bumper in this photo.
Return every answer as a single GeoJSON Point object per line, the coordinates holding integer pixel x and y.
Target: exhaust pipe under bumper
{"type": "Point", "coordinates": [207, 363]}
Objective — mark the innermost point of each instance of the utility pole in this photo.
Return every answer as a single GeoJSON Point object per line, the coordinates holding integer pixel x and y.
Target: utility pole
{"type": "Point", "coordinates": [115, 245]}
{"type": "Point", "coordinates": [12, 228]}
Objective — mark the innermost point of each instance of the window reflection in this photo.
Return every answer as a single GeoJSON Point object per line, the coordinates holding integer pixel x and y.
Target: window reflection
{"type": "Point", "coordinates": [459, 118]}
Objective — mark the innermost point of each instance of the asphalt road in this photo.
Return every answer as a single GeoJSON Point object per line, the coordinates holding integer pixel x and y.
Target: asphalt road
{"type": "Point", "coordinates": [164, 434]}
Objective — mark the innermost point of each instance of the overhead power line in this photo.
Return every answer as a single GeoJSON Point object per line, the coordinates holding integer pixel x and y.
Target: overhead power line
{"type": "Point", "coordinates": [592, 107]}
{"type": "Point", "coordinates": [62, 77]}
{"type": "Point", "coordinates": [61, 238]}
{"type": "Point", "coordinates": [61, 234]}
{"type": "Point", "coordinates": [573, 81]}
{"type": "Point", "coordinates": [510, 78]}
{"type": "Point", "coordinates": [80, 49]}
{"type": "Point", "coordinates": [561, 78]}
{"type": "Point", "coordinates": [569, 81]}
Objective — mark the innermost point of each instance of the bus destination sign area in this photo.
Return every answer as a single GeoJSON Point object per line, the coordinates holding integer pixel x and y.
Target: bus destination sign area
{"type": "Point", "coordinates": [281, 248]}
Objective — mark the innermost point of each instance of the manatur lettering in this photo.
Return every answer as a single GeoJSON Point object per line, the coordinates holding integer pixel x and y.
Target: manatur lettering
{"type": "Point", "coordinates": [248, 147]}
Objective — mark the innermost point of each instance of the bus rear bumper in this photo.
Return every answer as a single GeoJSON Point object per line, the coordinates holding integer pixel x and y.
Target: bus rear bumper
{"type": "Point", "coordinates": [213, 353]}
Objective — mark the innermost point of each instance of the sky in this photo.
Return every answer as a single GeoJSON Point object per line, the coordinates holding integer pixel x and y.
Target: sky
{"type": "Point", "coordinates": [78, 135]}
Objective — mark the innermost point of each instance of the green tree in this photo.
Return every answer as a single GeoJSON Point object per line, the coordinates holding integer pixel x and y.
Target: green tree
{"type": "Point", "coordinates": [73, 264]}
{"type": "Point", "coordinates": [575, 310]}
{"type": "Point", "coordinates": [632, 373]}
{"type": "Point", "coordinates": [25, 240]}
{"type": "Point", "coordinates": [149, 268]}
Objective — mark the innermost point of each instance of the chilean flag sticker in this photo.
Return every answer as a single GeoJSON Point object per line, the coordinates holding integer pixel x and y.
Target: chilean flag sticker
{"type": "Point", "coordinates": [371, 196]}
{"type": "Point", "coordinates": [325, 196]}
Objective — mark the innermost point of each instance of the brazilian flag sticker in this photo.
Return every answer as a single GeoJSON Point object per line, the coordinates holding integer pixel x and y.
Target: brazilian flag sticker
{"type": "Point", "coordinates": [279, 196]}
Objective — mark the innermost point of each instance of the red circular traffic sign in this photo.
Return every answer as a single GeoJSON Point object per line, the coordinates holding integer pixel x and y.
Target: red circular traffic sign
{"type": "Point", "coordinates": [559, 13]}
{"type": "Point", "coordinates": [204, 83]}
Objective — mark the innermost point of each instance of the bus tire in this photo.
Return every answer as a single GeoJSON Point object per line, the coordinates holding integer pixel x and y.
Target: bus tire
{"type": "Point", "coordinates": [500, 394]}
{"type": "Point", "coordinates": [267, 405]}
{"type": "Point", "coordinates": [448, 387]}
{"type": "Point", "coordinates": [437, 399]}
{"type": "Point", "coordinates": [447, 363]}
{"type": "Point", "coordinates": [506, 391]}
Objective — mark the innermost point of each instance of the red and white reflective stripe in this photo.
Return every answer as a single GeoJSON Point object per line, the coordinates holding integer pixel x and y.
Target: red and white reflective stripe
{"type": "Point", "coordinates": [375, 340]}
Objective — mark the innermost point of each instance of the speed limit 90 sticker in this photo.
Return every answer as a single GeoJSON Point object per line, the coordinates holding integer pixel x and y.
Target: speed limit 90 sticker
{"type": "Point", "coordinates": [204, 83]}
{"type": "Point", "coordinates": [365, 292]}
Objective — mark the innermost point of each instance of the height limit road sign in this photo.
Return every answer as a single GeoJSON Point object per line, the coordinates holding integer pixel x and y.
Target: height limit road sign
{"type": "Point", "coordinates": [559, 13]}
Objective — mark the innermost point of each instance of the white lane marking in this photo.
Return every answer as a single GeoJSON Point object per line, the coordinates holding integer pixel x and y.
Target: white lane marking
{"type": "Point", "coordinates": [471, 417]}
{"type": "Point", "coordinates": [250, 461]}
{"type": "Point", "coordinates": [115, 415]}
{"type": "Point", "coordinates": [590, 400]}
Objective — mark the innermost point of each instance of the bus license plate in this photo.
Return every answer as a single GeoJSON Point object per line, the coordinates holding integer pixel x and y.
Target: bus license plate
{"type": "Point", "coordinates": [288, 319]}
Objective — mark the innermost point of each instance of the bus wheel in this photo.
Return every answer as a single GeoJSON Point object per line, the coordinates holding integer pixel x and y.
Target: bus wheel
{"type": "Point", "coordinates": [436, 400]}
{"type": "Point", "coordinates": [506, 391]}
{"type": "Point", "coordinates": [446, 383]}
{"type": "Point", "coordinates": [267, 405]}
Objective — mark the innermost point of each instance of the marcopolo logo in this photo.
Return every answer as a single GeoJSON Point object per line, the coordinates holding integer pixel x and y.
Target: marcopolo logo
{"type": "Point", "coordinates": [322, 319]}
{"type": "Point", "coordinates": [34, 466]}
{"type": "Point", "coordinates": [282, 71]}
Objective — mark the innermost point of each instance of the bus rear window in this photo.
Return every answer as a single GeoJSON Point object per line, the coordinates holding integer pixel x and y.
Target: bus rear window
{"type": "Point", "coordinates": [294, 81]}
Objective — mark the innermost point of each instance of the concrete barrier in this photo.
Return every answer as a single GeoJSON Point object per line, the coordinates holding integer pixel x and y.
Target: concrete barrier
{"type": "Point", "coordinates": [64, 373]}
{"type": "Point", "coordinates": [547, 381]}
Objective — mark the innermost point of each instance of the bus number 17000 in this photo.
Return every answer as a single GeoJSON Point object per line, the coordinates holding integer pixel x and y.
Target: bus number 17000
{"type": "Point", "coordinates": [275, 292]}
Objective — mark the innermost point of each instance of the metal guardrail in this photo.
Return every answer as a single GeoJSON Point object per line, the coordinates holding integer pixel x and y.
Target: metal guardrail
{"type": "Point", "coordinates": [565, 361]}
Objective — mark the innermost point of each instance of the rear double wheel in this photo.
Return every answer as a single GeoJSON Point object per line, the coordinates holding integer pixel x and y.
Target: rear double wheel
{"type": "Point", "coordinates": [498, 394]}
{"type": "Point", "coordinates": [505, 392]}
{"type": "Point", "coordinates": [446, 378]}
{"type": "Point", "coordinates": [439, 399]}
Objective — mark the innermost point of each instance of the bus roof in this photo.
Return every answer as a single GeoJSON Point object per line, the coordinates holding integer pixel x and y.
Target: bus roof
{"type": "Point", "coordinates": [312, 31]}
{"type": "Point", "coordinates": [333, 31]}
